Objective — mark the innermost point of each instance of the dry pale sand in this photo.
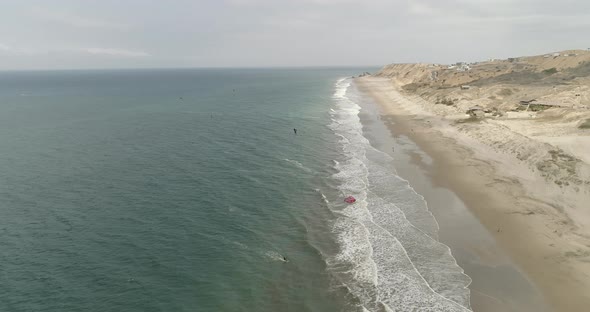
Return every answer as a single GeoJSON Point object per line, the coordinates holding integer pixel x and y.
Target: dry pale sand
{"type": "Point", "coordinates": [541, 225]}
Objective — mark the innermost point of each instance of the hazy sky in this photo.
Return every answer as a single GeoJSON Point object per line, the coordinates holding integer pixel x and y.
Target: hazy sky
{"type": "Point", "coordinates": [246, 33]}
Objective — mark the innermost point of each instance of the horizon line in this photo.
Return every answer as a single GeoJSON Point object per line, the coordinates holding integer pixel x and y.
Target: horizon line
{"type": "Point", "coordinates": [189, 68]}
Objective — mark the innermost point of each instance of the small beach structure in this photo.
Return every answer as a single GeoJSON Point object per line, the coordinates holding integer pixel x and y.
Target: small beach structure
{"type": "Point", "coordinates": [535, 105]}
{"type": "Point", "coordinates": [465, 87]}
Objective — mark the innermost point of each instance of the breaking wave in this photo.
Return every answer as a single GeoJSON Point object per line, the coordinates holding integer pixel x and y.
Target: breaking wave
{"type": "Point", "coordinates": [390, 257]}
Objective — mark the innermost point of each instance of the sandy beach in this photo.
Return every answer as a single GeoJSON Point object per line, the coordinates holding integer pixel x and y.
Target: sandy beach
{"type": "Point", "coordinates": [539, 225]}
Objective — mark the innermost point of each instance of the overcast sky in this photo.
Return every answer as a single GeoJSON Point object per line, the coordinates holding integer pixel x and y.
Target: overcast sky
{"type": "Point", "coordinates": [252, 33]}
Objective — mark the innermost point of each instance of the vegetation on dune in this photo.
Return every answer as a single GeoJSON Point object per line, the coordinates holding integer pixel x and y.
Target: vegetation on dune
{"type": "Point", "coordinates": [585, 124]}
{"type": "Point", "coordinates": [505, 92]}
{"type": "Point", "coordinates": [445, 101]}
{"type": "Point", "coordinates": [412, 87]}
{"type": "Point", "coordinates": [550, 71]}
{"type": "Point", "coordinates": [533, 107]}
{"type": "Point", "coordinates": [469, 120]}
{"type": "Point", "coordinates": [523, 77]}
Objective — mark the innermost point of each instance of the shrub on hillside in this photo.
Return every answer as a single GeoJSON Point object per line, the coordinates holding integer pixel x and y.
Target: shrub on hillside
{"type": "Point", "coordinates": [585, 124]}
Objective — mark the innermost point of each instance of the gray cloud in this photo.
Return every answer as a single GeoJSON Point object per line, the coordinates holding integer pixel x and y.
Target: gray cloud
{"type": "Point", "coordinates": [10, 50]}
{"type": "Point", "coordinates": [137, 33]}
{"type": "Point", "coordinates": [14, 51]}
{"type": "Point", "coordinates": [114, 52]}
{"type": "Point", "coordinates": [71, 19]}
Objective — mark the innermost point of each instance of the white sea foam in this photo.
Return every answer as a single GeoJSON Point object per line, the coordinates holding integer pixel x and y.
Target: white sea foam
{"type": "Point", "coordinates": [298, 165]}
{"type": "Point", "coordinates": [390, 257]}
{"type": "Point", "coordinates": [324, 198]}
{"type": "Point", "coordinates": [240, 245]}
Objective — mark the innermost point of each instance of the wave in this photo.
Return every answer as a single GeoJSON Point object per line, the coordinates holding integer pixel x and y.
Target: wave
{"type": "Point", "coordinates": [274, 256]}
{"type": "Point", "coordinates": [299, 165]}
{"type": "Point", "coordinates": [389, 253]}
{"type": "Point", "coordinates": [324, 198]}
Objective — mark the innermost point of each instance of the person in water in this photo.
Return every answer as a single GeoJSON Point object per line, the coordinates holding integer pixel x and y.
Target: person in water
{"type": "Point", "coordinates": [285, 259]}
{"type": "Point", "coordinates": [295, 130]}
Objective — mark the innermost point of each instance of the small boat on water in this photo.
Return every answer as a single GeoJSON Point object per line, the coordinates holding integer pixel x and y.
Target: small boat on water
{"type": "Point", "coordinates": [350, 199]}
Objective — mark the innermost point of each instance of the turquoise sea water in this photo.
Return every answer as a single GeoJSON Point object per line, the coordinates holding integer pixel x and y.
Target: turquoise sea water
{"type": "Point", "coordinates": [182, 190]}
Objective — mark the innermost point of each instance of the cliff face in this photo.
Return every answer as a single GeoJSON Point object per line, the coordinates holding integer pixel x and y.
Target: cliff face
{"type": "Point", "coordinates": [410, 73]}
{"type": "Point", "coordinates": [553, 68]}
{"type": "Point", "coordinates": [557, 80]}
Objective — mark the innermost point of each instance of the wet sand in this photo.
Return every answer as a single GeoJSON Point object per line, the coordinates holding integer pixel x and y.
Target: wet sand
{"type": "Point", "coordinates": [499, 284]}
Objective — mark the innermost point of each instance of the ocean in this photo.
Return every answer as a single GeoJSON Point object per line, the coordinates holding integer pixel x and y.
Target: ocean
{"type": "Point", "coordinates": [185, 190]}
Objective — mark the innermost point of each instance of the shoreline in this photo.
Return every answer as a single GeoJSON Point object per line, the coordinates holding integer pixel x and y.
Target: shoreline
{"type": "Point", "coordinates": [536, 237]}
{"type": "Point", "coordinates": [476, 253]}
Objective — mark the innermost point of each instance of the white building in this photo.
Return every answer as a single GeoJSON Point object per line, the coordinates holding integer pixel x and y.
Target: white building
{"type": "Point", "coordinates": [463, 68]}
